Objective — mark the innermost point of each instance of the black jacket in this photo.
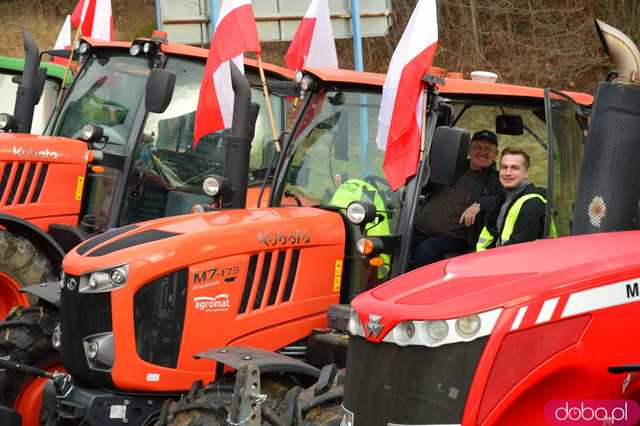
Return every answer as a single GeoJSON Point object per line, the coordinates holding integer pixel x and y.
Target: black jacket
{"type": "Point", "coordinates": [530, 223]}
{"type": "Point", "coordinates": [487, 193]}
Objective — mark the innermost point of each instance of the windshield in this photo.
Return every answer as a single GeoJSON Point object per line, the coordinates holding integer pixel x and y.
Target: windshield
{"type": "Point", "coordinates": [568, 149]}
{"type": "Point", "coordinates": [107, 92]}
{"type": "Point", "coordinates": [43, 109]}
{"type": "Point", "coordinates": [167, 172]}
{"type": "Point", "coordinates": [335, 159]}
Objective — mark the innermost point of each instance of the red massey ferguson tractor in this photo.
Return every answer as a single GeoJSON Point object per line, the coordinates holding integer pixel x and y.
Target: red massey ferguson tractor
{"type": "Point", "coordinates": [135, 162]}
{"type": "Point", "coordinates": [139, 303]}
{"type": "Point", "coordinates": [513, 335]}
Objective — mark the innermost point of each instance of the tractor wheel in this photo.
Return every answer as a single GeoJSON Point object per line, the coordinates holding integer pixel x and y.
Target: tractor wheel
{"type": "Point", "coordinates": [208, 405]}
{"type": "Point", "coordinates": [21, 264]}
{"type": "Point", "coordinates": [25, 337]}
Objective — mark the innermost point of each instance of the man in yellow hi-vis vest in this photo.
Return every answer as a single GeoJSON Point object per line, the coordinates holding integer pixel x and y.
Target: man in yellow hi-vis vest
{"type": "Point", "coordinates": [519, 216]}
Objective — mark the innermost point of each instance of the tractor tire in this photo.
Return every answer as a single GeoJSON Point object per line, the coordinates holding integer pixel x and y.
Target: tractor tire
{"type": "Point", "coordinates": [330, 415]}
{"type": "Point", "coordinates": [25, 337]}
{"type": "Point", "coordinates": [208, 405]}
{"type": "Point", "coordinates": [21, 264]}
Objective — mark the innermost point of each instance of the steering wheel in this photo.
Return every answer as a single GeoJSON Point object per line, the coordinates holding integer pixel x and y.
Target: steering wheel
{"type": "Point", "coordinates": [158, 168]}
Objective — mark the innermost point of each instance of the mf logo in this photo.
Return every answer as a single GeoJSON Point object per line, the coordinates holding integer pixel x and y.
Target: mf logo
{"type": "Point", "coordinates": [374, 328]}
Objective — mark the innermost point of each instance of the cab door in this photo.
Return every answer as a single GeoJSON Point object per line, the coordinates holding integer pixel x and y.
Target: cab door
{"type": "Point", "coordinates": [566, 132]}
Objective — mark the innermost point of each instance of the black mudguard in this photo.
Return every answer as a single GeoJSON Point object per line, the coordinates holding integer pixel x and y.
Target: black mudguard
{"type": "Point", "coordinates": [266, 361]}
{"type": "Point", "coordinates": [49, 292]}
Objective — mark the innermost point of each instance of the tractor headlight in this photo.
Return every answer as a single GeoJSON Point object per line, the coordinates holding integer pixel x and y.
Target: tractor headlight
{"type": "Point", "coordinates": [211, 186]}
{"type": "Point", "coordinates": [100, 351]}
{"type": "Point", "coordinates": [8, 123]}
{"type": "Point", "coordinates": [91, 133]}
{"type": "Point", "coordinates": [404, 332]}
{"type": "Point", "coordinates": [135, 49]}
{"type": "Point", "coordinates": [118, 276]}
{"type": "Point", "coordinates": [84, 48]}
{"type": "Point", "coordinates": [306, 83]}
{"type": "Point", "coordinates": [468, 326]}
{"type": "Point", "coordinates": [355, 326]}
{"type": "Point", "coordinates": [103, 281]}
{"type": "Point", "coordinates": [437, 330]}
{"type": "Point", "coordinates": [359, 213]}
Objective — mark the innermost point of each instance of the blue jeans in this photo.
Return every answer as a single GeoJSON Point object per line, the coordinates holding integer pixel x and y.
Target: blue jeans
{"type": "Point", "coordinates": [432, 248]}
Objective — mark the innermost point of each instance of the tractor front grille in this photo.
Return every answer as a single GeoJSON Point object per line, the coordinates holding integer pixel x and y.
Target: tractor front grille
{"type": "Point", "coordinates": [410, 385]}
{"type": "Point", "coordinates": [81, 315]}
{"type": "Point", "coordinates": [21, 182]}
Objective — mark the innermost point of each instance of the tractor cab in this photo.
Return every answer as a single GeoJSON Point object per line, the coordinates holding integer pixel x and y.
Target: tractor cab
{"type": "Point", "coordinates": [149, 164]}
{"type": "Point", "coordinates": [119, 147]}
{"type": "Point", "coordinates": [333, 161]}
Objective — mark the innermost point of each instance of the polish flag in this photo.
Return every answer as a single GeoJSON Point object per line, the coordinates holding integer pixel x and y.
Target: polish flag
{"type": "Point", "coordinates": [94, 18]}
{"type": "Point", "coordinates": [313, 43]}
{"type": "Point", "coordinates": [235, 33]}
{"type": "Point", "coordinates": [400, 118]}
{"type": "Point", "coordinates": [64, 37]}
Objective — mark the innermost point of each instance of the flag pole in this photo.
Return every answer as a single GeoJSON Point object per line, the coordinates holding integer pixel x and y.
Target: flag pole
{"type": "Point", "coordinates": [68, 67]}
{"type": "Point", "coordinates": [267, 98]}
{"type": "Point", "coordinates": [423, 126]}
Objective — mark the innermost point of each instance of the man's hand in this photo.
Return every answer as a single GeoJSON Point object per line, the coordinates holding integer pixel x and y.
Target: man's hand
{"type": "Point", "coordinates": [468, 216]}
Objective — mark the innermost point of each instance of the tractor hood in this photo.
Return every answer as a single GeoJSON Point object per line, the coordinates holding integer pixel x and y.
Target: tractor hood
{"type": "Point", "coordinates": [49, 149]}
{"type": "Point", "coordinates": [172, 243]}
{"type": "Point", "coordinates": [505, 277]}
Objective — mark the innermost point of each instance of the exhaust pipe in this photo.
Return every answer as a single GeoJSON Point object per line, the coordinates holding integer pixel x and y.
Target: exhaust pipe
{"type": "Point", "coordinates": [238, 148]}
{"type": "Point", "coordinates": [29, 90]}
{"type": "Point", "coordinates": [609, 188]}
{"type": "Point", "coordinates": [622, 51]}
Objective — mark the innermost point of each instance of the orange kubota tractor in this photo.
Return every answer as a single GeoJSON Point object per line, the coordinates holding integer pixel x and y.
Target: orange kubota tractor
{"type": "Point", "coordinates": [139, 302]}
{"type": "Point", "coordinates": [134, 162]}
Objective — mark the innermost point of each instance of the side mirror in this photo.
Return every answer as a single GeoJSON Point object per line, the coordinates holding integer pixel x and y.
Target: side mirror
{"type": "Point", "coordinates": [159, 90]}
{"type": "Point", "coordinates": [445, 115]}
{"type": "Point", "coordinates": [448, 156]}
{"type": "Point", "coordinates": [509, 125]}
{"type": "Point", "coordinates": [283, 88]}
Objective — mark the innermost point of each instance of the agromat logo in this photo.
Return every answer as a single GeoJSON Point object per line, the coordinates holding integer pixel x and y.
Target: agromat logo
{"type": "Point", "coordinates": [587, 412]}
{"type": "Point", "coordinates": [219, 303]}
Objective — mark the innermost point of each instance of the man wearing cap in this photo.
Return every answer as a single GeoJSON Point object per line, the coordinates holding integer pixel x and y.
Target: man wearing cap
{"type": "Point", "coordinates": [451, 219]}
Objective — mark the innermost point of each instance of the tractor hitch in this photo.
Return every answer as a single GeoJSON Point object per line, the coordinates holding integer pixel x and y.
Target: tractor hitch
{"type": "Point", "coordinates": [61, 381]}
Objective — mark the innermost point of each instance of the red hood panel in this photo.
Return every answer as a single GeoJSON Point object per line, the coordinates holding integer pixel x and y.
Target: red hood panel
{"type": "Point", "coordinates": [507, 276]}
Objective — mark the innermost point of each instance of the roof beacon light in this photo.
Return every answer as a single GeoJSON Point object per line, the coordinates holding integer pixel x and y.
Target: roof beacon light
{"type": "Point", "coordinates": [485, 76]}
